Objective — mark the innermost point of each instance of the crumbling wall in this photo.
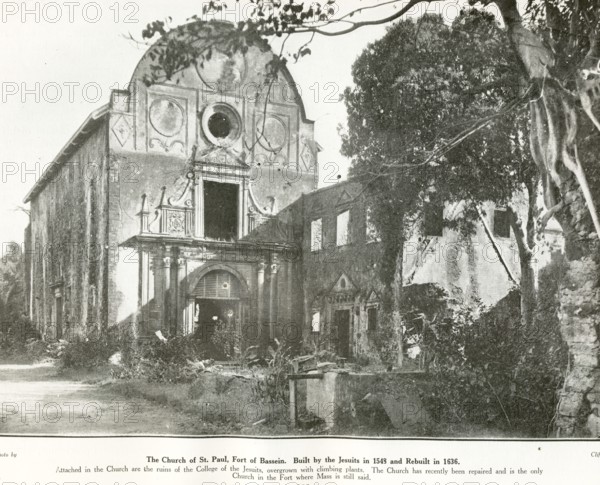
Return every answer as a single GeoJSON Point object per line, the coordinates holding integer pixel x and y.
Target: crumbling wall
{"type": "Point", "coordinates": [378, 400]}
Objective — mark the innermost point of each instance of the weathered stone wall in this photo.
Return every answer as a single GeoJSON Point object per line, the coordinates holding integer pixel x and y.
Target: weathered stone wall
{"type": "Point", "coordinates": [68, 243]}
{"type": "Point", "coordinates": [346, 399]}
{"type": "Point", "coordinates": [322, 269]}
{"type": "Point", "coordinates": [467, 267]}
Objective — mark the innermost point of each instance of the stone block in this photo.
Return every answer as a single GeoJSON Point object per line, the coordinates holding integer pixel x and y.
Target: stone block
{"type": "Point", "coordinates": [382, 399]}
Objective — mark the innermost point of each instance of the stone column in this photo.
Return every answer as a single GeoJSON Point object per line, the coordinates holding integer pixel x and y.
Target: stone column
{"type": "Point", "coordinates": [241, 218]}
{"type": "Point", "coordinates": [272, 297]}
{"type": "Point", "coordinates": [180, 307]}
{"type": "Point", "coordinates": [199, 208]}
{"type": "Point", "coordinates": [260, 290]}
{"type": "Point", "coordinates": [244, 214]}
{"type": "Point", "coordinates": [289, 300]}
{"type": "Point", "coordinates": [166, 296]}
{"type": "Point", "coordinates": [143, 292]}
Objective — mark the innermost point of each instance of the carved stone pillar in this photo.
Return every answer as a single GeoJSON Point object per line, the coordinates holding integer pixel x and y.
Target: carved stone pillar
{"type": "Point", "coordinates": [143, 214]}
{"type": "Point", "coordinates": [240, 211]}
{"type": "Point", "coordinates": [199, 208]}
{"type": "Point", "coordinates": [166, 296]}
{"type": "Point", "coordinates": [274, 267]}
{"type": "Point", "coordinates": [260, 290]}
{"type": "Point", "coordinates": [143, 292]}
{"type": "Point", "coordinates": [289, 268]}
{"type": "Point", "coordinates": [244, 213]}
{"type": "Point", "coordinates": [181, 325]}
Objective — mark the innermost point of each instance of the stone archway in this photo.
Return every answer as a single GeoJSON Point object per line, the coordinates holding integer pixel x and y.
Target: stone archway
{"type": "Point", "coordinates": [196, 275]}
{"type": "Point", "coordinates": [218, 300]}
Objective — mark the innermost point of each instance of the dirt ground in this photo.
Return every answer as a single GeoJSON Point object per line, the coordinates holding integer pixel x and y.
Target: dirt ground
{"type": "Point", "coordinates": [38, 399]}
{"type": "Point", "coordinates": [41, 399]}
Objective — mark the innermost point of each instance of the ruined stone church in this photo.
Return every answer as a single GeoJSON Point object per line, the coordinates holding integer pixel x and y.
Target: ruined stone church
{"type": "Point", "coordinates": [195, 200]}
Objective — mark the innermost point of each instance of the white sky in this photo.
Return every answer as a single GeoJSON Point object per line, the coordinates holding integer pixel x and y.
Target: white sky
{"type": "Point", "coordinates": [44, 55]}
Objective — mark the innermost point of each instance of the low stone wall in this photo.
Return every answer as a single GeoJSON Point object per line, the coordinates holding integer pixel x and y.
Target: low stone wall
{"type": "Point", "coordinates": [344, 399]}
{"type": "Point", "coordinates": [223, 397]}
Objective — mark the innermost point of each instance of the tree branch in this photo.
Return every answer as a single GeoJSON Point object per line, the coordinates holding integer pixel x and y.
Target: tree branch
{"type": "Point", "coordinates": [358, 25]}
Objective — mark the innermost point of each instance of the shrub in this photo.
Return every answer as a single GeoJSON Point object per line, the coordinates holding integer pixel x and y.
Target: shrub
{"type": "Point", "coordinates": [490, 370]}
{"type": "Point", "coordinates": [225, 342]}
{"type": "Point", "coordinates": [14, 335]}
{"type": "Point", "coordinates": [87, 354]}
{"type": "Point", "coordinates": [176, 360]}
{"type": "Point", "coordinates": [274, 388]}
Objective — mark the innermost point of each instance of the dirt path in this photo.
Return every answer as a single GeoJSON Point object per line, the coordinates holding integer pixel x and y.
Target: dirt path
{"type": "Point", "coordinates": [36, 399]}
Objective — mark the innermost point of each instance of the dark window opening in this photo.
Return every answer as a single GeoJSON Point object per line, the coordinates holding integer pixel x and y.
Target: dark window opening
{"type": "Point", "coordinates": [372, 319]}
{"type": "Point", "coordinates": [342, 325]}
{"type": "Point", "coordinates": [219, 125]}
{"type": "Point", "coordinates": [501, 223]}
{"type": "Point", "coordinates": [433, 223]}
{"type": "Point", "coordinates": [220, 211]}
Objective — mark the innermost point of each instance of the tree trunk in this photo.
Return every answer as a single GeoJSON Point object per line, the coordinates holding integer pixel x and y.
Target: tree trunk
{"type": "Point", "coordinates": [396, 305]}
{"type": "Point", "coordinates": [527, 284]}
{"type": "Point", "coordinates": [556, 130]}
{"type": "Point", "coordinates": [579, 316]}
{"type": "Point", "coordinates": [525, 243]}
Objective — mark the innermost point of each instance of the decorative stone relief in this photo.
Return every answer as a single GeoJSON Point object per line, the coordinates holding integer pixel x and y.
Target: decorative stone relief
{"type": "Point", "coordinates": [173, 215]}
{"type": "Point", "coordinates": [176, 223]}
{"type": "Point", "coordinates": [343, 290]}
{"type": "Point", "coordinates": [166, 116]}
{"type": "Point", "coordinates": [167, 125]}
{"type": "Point", "coordinates": [272, 134]}
{"type": "Point", "coordinates": [256, 216]}
{"type": "Point", "coordinates": [184, 200]}
{"type": "Point", "coordinates": [121, 130]}
{"type": "Point", "coordinates": [308, 155]}
{"type": "Point", "coordinates": [222, 72]}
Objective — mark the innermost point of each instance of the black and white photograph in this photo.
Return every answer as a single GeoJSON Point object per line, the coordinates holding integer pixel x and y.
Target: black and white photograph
{"type": "Point", "coordinates": [345, 218]}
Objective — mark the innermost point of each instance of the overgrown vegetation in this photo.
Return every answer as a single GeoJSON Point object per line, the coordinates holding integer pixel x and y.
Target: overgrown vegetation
{"type": "Point", "coordinates": [274, 387]}
{"type": "Point", "coordinates": [491, 370]}
{"type": "Point", "coordinates": [86, 353]}
{"type": "Point", "coordinates": [179, 359]}
{"type": "Point", "coordinates": [16, 330]}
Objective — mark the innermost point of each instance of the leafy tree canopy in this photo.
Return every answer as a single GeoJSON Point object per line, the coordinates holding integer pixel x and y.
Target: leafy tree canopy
{"type": "Point", "coordinates": [437, 115]}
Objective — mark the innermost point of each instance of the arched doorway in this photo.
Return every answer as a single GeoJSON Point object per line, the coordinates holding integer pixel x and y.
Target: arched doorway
{"type": "Point", "coordinates": [218, 307]}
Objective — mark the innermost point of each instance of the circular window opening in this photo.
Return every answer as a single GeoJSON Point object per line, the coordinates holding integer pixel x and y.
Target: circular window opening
{"type": "Point", "coordinates": [219, 125]}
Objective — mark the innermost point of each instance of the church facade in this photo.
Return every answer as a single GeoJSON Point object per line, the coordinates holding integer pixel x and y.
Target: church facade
{"type": "Point", "coordinates": [141, 219]}
{"type": "Point", "coordinates": [195, 199]}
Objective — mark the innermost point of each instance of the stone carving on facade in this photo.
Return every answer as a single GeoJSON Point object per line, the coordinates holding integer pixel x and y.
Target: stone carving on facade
{"type": "Point", "coordinates": [219, 159]}
{"type": "Point", "coordinates": [256, 215]}
{"type": "Point", "coordinates": [167, 125]}
{"type": "Point", "coordinates": [343, 290]}
{"type": "Point", "coordinates": [173, 215]}
{"type": "Point", "coordinates": [222, 72]}
{"type": "Point", "coordinates": [121, 130]}
{"type": "Point", "coordinates": [272, 132]}
{"type": "Point", "coordinates": [308, 155]}
{"type": "Point", "coordinates": [176, 223]}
